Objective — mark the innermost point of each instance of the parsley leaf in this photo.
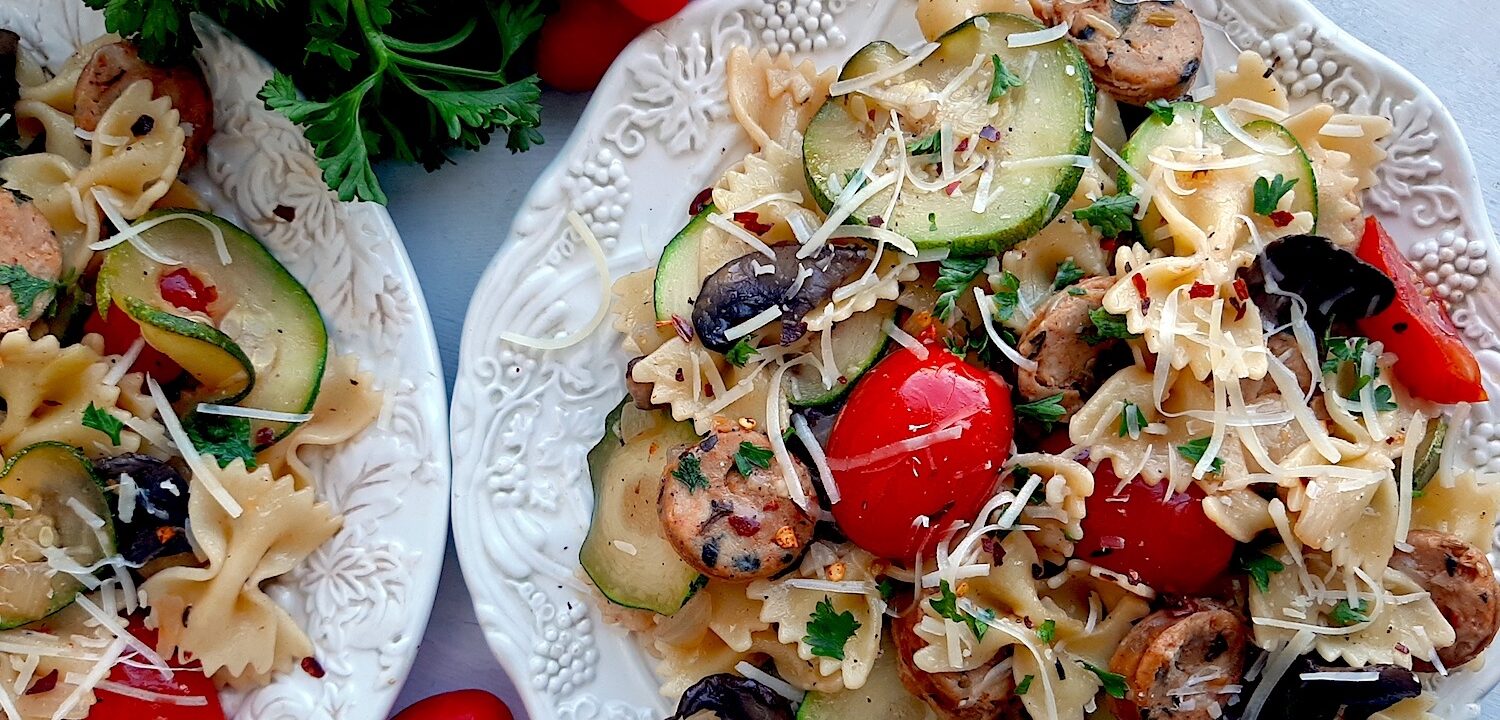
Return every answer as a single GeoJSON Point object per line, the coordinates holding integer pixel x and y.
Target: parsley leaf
{"type": "Point", "coordinates": [100, 419]}
{"type": "Point", "coordinates": [1268, 193]}
{"type": "Point", "coordinates": [1068, 273]}
{"type": "Point", "coordinates": [886, 588]}
{"type": "Point", "coordinates": [224, 437]}
{"type": "Point", "coordinates": [1007, 295]}
{"type": "Point", "coordinates": [1162, 109]}
{"type": "Point", "coordinates": [24, 287]}
{"type": "Point", "coordinates": [751, 456]}
{"type": "Point", "coordinates": [1048, 409]}
{"type": "Point", "coordinates": [1114, 683]}
{"type": "Point", "coordinates": [1110, 215]}
{"type": "Point", "coordinates": [954, 277]}
{"type": "Point", "coordinates": [828, 632]}
{"type": "Point", "coordinates": [1259, 566]}
{"type": "Point", "coordinates": [1343, 350]}
{"type": "Point", "coordinates": [1107, 325]}
{"type": "Point", "coordinates": [1194, 450]}
{"type": "Point", "coordinates": [1003, 80]}
{"type": "Point", "coordinates": [930, 145]}
{"type": "Point", "coordinates": [946, 605]}
{"type": "Point", "coordinates": [1024, 685]}
{"type": "Point", "coordinates": [1384, 402]}
{"type": "Point", "coordinates": [1047, 631]}
{"type": "Point", "coordinates": [689, 472]}
{"type": "Point", "coordinates": [741, 352]}
{"type": "Point", "coordinates": [1344, 614]}
{"type": "Point", "coordinates": [1132, 420]}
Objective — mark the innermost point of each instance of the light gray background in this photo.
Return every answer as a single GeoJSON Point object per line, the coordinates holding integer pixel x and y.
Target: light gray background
{"type": "Point", "coordinates": [454, 221]}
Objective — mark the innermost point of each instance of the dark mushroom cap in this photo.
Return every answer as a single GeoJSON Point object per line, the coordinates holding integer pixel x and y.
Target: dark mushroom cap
{"type": "Point", "coordinates": [157, 526]}
{"type": "Point", "coordinates": [1335, 284]}
{"type": "Point", "coordinates": [736, 293]}
{"type": "Point", "coordinates": [732, 697]}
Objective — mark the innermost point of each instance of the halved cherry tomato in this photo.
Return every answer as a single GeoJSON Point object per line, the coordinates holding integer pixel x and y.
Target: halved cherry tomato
{"type": "Point", "coordinates": [1170, 545]}
{"type": "Point", "coordinates": [186, 681]}
{"type": "Point", "coordinates": [120, 332]}
{"type": "Point", "coordinates": [885, 486]}
{"type": "Point", "coordinates": [1431, 358]}
{"type": "Point", "coordinates": [580, 40]}
{"type": "Point", "coordinates": [457, 705]}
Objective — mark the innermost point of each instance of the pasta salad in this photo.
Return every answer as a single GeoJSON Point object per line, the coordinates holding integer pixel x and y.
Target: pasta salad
{"type": "Point", "coordinates": [163, 378]}
{"type": "Point", "coordinates": [1039, 372]}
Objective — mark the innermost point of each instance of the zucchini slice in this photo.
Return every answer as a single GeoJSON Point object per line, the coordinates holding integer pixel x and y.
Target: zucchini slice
{"type": "Point", "coordinates": [48, 489]}
{"type": "Point", "coordinates": [1047, 116]}
{"type": "Point", "coordinates": [857, 343]}
{"type": "Point", "coordinates": [263, 323]}
{"type": "Point", "coordinates": [883, 696]}
{"type": "Point", "coordinates": [625, 553]}
{"type": "Point", "coordinates": [694, 253]}
{"type": "Point", "coordinates": [1225, 193]}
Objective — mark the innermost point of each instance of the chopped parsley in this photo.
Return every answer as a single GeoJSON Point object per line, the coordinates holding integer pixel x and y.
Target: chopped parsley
{"type": "Point", "coordinates": [750, 456]}
{"type": "Point", "coordinates": [1076, 291]}
{"type": "Point", "coordinates": [100, 419]}
{"type": "Point", "coordinates": [954, 277]}
{"type": "Point", "coordinates": [1194, 450]}
{"type": "Point", "coordinates": [1068, 273]}
{"type": "Point", "coordinates": [740, 353]}
{"type": "Point", "coordinates": [224, 437]}
{"type": "Point", "coordinates": [1024, 685]}
{"type": "Point", "coordinates": [1268, 193]}
{"type": "Point", "coordinates": [689, 472]}
{"type": "Point", "coordinates": [1259, 566]}
{"type": "Point", "coordinates": [1114, 683]}
{"type": "Point", "coordinates": [886, 588]}
{"type": "Point", "coordinates": [1163, 110]}
{"type": "Point", "coordinates": [1007, 295]}
{"type": "Point", "coordinates": [1047, 410]}
{"type": "Point", "coordinates": [946, 605]}
{"type": "Point", "coordinates": [930, 145]}
{"type": "Point", "coordinates": [1351, 352]}
{"type": "Point", "coordinates": [1132, 420]}
{"type": "Point", "coordinates": [828, 631]}
{"type": "Point", "coordinates": [1003, 80]}
{"type": "Point", "coordinates": [1047, 631]}
{"type": "Point", "coordinates": [1111, 215]}
{"type": "Point", "coordinates": [25, 288]}
{"type": "Point", "coordinates": [1107, 325]}
{"type": "Point", "coordinates": [1344, 614]}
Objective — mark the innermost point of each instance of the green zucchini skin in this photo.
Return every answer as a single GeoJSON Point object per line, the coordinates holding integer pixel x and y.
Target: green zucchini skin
{"type": "Point", "coordinates": [836, 142]}
{"type": "Point", "coordinates": [857, 343]}
{"type": "Point", "coordinates": [677, 280]}
{"type": "Point", "coordinates": [883, 696]}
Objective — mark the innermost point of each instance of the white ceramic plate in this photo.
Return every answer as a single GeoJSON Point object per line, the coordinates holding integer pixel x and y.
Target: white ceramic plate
{"type": "Point", "coordinates": [654, 134]}
{"type": "Point", "coordinates": [364, 596]}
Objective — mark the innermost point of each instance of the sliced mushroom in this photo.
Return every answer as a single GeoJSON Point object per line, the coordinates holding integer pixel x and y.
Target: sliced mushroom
{"type": "Point", "coordinates": [1332, 282]}
{"type": "Point", "coordinates": [1462, 584]}
{"type": "Point", "coordinates": [1171, 652]}
{"type": "Point", "coordinates": [1300, 698]}
{"type": "Point", "coordinates": [116, 66]}
{"type": "Point", "coordinates": [158, 522]}
{"type": "Point", "coordinates": [1070, 360]}
{"type": "Point", "coordinates": [978, 694]}
{"type": "Point", "coordinates": [1138, 51]}
{"type": "Point", "coordinates": [743, 289]}
{"type": "Point", "coordinates": [732, 697]}
{"type": "Point", "coordinates": [10, 90]}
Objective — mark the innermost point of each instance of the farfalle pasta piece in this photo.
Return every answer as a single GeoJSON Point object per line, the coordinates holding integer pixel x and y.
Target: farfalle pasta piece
{"type": "Point", "coordinates": [65, 649]}
{"type": "Point", "coordinates": [635, 313]}
{"type": "Point", "coordinates": [46, 178]}
{"type": "Point", "coordinates": [771, 170]}
{"type": "Point", "coordinates": [789, 609]}
{"type": "Point", "coordinates": [347, 404]}
{"type": "Point", "coordinates": [140, 170]}
{"type": "Point", "coordinates": [219, 614]}
{"type": "Point", "coordinates": [1251, 79]}
{"type": "Point", "coordinates": [1034, 261]}
{"type": "Point", "coordinates": [699, 387]}
{"type": "Point", "coordinates": [772, 96]}
{"type": "Point", "coordinates": [881, 282]}
{"type": "Point", "coordinates": [1467, 510]}
{"type": "Point", "coordinates": [46, 388]}
{"type": "Point", "coordinates": [1065, 486]}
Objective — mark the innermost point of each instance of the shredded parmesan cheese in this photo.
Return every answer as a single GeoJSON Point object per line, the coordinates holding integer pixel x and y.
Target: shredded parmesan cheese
{"type": "Point", "coordinates": [253, 413]}
{"type": "Point", "coordinates": [601, 270]}
{"type": "Point", "coordinates": [1037, 37]}
{"type": "Point", "coordinates": [201, 470]}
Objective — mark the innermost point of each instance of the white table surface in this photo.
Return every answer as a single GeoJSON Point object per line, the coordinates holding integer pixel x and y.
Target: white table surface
{"type": "Point", "coordinates": [454, 221]}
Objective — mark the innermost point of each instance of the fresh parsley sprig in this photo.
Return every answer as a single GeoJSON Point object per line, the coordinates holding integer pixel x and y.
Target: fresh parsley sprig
{"type": "Point", "coordinates": [1002, 80]}
{"type": "Point", "coordinates": [1068, 273]}
{"type": "Point", "coordinates": [828, 631]}
{"type": "Point", "coordinates": [749, 457]}
{"type": "Point", "coordinates": [1132, 420]}
{"type": "Point", "coordinates": [1267, 193]}
{"type": "Point", "coordinates": [741, 352]}
{"type": "Point", "coordinates": [1260, 567]}
{"type": "Point", "coordinates": [1193, 451]}
{"type": "Point", "coordinates": [1111, 215]}
{"type": "Point", "coordinates": [946, 605]}
{"type": "Point", "coordinates": [1047, 410]}
{"type": "Point", "coordinates": [25, 288]}
{"type": "Point", "coordinates": [689, 472]}
{"type": "Point", "coordinates": [1007, 296]}
{"type": "Point", "coordinates": [1344, 614]}
{"type": "Point", "coordinates": [99, 419]}
{"type": "Point", "coordinates": [1163, 110]}
{"type": "Point", "coordinates": [1107, 325]}
{"type": "Point", "coordinates": [955, 275]}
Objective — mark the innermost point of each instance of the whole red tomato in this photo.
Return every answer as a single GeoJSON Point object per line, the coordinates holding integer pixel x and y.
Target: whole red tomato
{"type": "Point", "coordinates": [917, 437]}
{"type": "Point", "coordinates": [581, 39]}
{"type": "Point", "coordinates": [186, 681]}
{"type": "Point", "coordinates": [458, 705]}
{"type": "Point", "coordinates": [653, 10]}
{"type": "Point", "coordinates": [1170, 545]}
{"type": "Point", "coordinates": [1431, 358]}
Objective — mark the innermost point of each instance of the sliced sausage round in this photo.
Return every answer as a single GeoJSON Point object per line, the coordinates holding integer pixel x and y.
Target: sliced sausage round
{"type": "Point", "coordinates": [1138, 52]}
{"type": "Point", "coordinates": [1176, 661]}
{"type": "Point", "coordinates": [116, 66]}
{"type": "Point", "coordinates": [977, 694]}
{"type": "Point", "coordinates": [728, 524]}
{"type": "Point", "coordinates": [1463, 586]}
{"type": "Point", "coordinates": [27, 241]}
{"type": "Point", "coordinates": [1070, 360]}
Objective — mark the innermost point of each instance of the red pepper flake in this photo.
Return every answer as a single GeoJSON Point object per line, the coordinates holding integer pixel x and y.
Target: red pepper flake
{"type": "Point", "coordinates": [951, 188]}
{"type": "Point", "coordinates": [683, 326]}
{"type": "Point", "coordinates": [45, 684]}
{"type": "Point", "coordinates": [701, 201]}
{"type": "Point", "coordinates": [1202, 290]}
{"type": "Point", "coordinates": [744, 526]}
{"type": "Point", "coordinates": [771, 506]}
{"type": "Point", "coordinates": [186, 290]}
{"type": "Point", "coordinates": [311, 666]}
{"type": "Point", "coordinates": [1139, 281]}
{"type": "Point", "coordinates": [962, 145]}
{"type": "Point", "coordinates": [680, 375]}
{"type": "Point", "coordinates": [876, 221]}
{"type": "Point", "coordinates": [1282, 218]}
{"type": "Point", "coordinates": [1239, 307]}
{"type": "Point", "coordinates": [1110, 245]}
{"type": "Point", "coordinates": [752, 222]}
{"type": "Point", "coordinates": [1241, 290]}
{"type": "Point", "coordinates": [708, 390]}
{"type": "Point", "coordinates": [264, 436]}
{"type": "Point", "coordinates": [285, 212]}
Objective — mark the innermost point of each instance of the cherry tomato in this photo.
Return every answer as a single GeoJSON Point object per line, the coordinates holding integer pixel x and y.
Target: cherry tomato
{"type": "Point", "coordinates": [580, 40]}
{"type": "Point", "coordinates": [120, 332]}
{"type": "Point", "coordinates": [886, 489]}
{"type": "Point", "coordinates": [1170, 545]}
{"type": "Point", "coordinates": [185, 682]}
{"type": "Point", "coordinates": [653, 10]}
{"type": "Point", "coordinates": [1431, 358]}
{"type": "Point", "coordinates": [187, 291]}
{"type": "Point", "coordinates": [457, 705]}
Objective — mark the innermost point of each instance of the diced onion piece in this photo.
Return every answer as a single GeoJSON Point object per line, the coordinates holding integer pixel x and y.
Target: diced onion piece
{"type": "Point", "coordinates": [1037, 37]}
{"type": "Point", "coordinates": [601, 270]}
